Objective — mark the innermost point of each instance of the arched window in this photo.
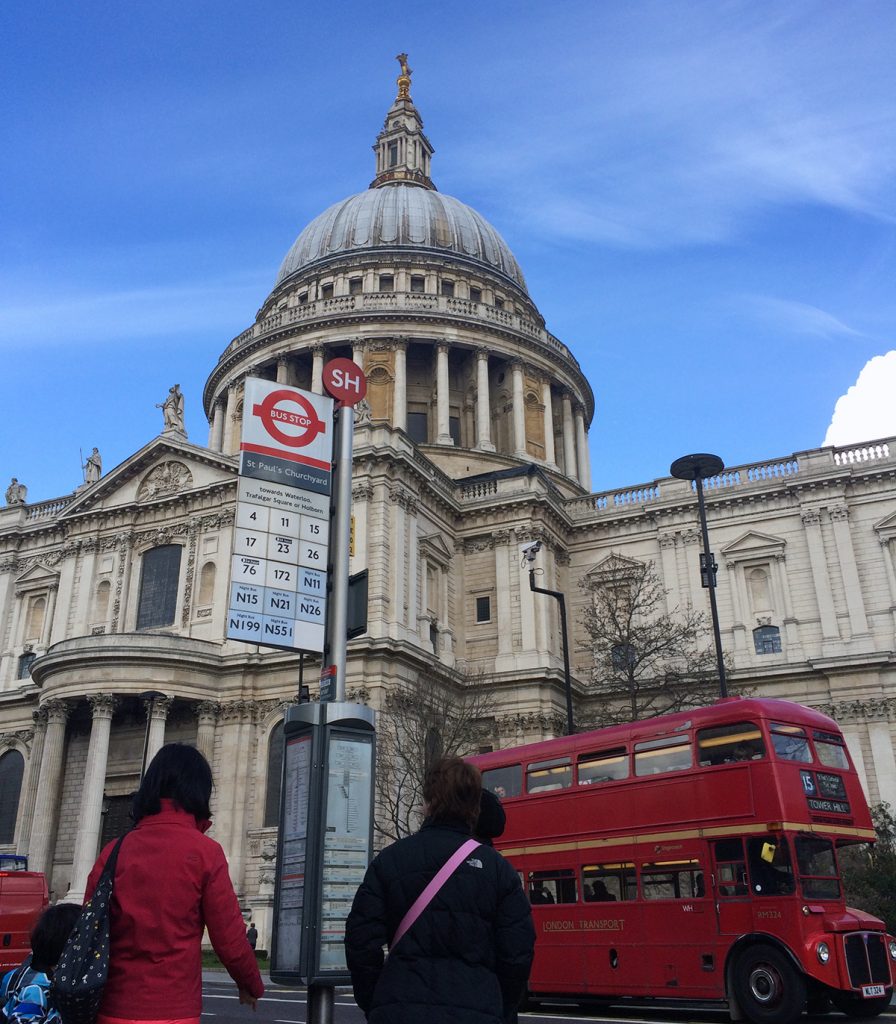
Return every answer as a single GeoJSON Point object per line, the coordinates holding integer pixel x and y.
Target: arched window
{"type": "Point", "coordinates": [275, 773]}
{"type": "Point", "coordinates": [12, 767]}
{"type": "Point", "coordinates": [206, 584]}
{"type": "Point", "coordinates": [101, 601]}
{"type": "Point", "coordinates": [767, 640]}
{"type": "Point", "coordinates": [35, 623]}
{"type": "Point", "coordinates": [158, 587]}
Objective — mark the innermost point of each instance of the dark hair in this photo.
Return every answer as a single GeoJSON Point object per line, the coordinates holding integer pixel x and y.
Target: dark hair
{"type": "Point", "coordinates": [452, 790]}
{"type": "Point", "coordinates": [492, 819]}
{"type": "Point", "coordinates": [49, 935]}
{"type": "Point", "coordinates": [179, 773]}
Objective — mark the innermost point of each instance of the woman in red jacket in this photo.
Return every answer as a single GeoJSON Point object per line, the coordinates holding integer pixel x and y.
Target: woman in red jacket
{"type": "Point", "coordinates": [171, 883]}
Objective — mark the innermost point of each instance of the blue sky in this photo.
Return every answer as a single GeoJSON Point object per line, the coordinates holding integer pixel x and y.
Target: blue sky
{"type": "Point", "coordinates": [701, 196]}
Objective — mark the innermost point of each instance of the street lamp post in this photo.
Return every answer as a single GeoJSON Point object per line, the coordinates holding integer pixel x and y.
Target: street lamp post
{"type": "Point", "coordinates": [529, 553]}
{"type": "Point", "coordinates": [697, 468]}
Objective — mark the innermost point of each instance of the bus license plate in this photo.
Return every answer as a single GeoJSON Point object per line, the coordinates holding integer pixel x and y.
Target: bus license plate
{"type": "Point", "coordinates": [869, 991]}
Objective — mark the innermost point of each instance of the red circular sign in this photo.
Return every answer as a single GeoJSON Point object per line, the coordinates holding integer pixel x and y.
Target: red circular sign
{"type": "Point", "coordinates": [271, 413]}
{"type": "Point", "coordinates": [345, 381]}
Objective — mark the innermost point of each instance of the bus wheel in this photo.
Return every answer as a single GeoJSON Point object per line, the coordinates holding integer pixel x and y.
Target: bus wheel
{"type": "Point", "coordinates": [857, 1007]}
{"type": "Point", "coordinates": [768, 987]}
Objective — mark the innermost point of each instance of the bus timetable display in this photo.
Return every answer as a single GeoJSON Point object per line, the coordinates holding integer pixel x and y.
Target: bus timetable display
{"type": "Point", "coordinates": [278, 578]}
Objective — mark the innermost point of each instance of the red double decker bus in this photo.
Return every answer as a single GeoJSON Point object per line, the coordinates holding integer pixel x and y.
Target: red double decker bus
{"type": "Point", "coordinates": [695, 856]}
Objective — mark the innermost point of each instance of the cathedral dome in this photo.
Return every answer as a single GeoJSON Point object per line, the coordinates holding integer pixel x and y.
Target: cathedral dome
{"type": "Point", "coordinates": [401, 215]}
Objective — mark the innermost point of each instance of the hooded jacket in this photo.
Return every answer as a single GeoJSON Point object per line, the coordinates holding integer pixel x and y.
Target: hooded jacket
{"type": "Point", "coordinates": [465, 960]}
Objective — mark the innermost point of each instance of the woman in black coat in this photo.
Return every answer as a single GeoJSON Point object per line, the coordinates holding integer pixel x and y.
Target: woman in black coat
{"type": "Point", "coordinates": [466, 959]}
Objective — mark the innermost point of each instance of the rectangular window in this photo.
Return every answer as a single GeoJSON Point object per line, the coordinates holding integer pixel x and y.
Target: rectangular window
{"type": "Point", "coordinates": [483, 609]}
{"type": "Point", "coordinates": [543, 776]}
{"type": "Point", "coordinates": [504, 782]}
{"type": "Point", "coordinates": [454, 429]}
{"type": "Point", "coordinates": [669, 754]}
{"type": "Point", "coordinates": [387, 283]}
{"type": "Point", "coordinates": [771, 873]}
{"type": "Point", "coordinates": [731, 868]}
{"type": "Point", "coordinates": [475, 295]}
{"type": "Point", "coordinates": [418, 427]}
{"type": "Point", "coordinates": [817, 867]}
{"type": "Point", "coordinates": [393, 154]}
{"type": "Point", "coordinates": [418, 284]}
{"type": "Point", "coordinates": [557, 886]}
{"type": "Point", "coordinates": [831, 749]}
{"type": "Point", "coordinates": [499, 303]}
{"type": "Point", "coordinates": [609, 883]}
{"type": "Point", "coordinates": [159, 576]}
{"type": "Point", "coordinates": [672, 880]}
{"type": "Point", "coordinates": [303, 298]}
{"type": "Point", "coordinates": [790, 743]}
{"type": "Point", "coordinates": [326, 291]}
{"type": "Point", "coordinates": [448, 289]}
{"type": "Point", "coordinates": [724, 744]}
{"type": "Point", "coordinates": [355, 286]}
{"type": "Point", "coordinates": [607, 766]}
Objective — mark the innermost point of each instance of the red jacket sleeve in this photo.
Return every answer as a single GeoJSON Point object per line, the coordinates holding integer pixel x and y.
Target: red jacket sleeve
{"type": "Point", "coordinates": [221, 913]}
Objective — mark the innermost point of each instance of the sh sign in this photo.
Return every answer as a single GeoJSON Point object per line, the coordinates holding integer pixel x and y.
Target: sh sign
{"type": "Point", "coordinates": [278, 575]}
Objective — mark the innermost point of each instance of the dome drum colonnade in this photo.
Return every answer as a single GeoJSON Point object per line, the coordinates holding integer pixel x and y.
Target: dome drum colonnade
{"type": "Point", "coordinates": [419, 290]}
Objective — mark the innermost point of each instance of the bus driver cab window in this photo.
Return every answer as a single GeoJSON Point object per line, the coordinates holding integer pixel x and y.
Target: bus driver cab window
{"type": "Point", "coordinates": [771, 873]}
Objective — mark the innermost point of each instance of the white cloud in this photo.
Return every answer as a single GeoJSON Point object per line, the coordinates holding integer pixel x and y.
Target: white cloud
{"type": "Point", "coordinates": [787, 315]}
{"type": "Point", "coordinates": [867, 411]}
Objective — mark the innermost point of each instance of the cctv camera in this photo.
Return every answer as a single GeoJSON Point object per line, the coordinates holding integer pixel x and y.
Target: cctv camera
{"type": "Point", "coordinates": [531, 549]}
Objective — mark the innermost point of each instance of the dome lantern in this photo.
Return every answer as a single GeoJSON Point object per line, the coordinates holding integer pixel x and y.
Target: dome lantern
{"type": "Point", "coordinates": [403, 152]}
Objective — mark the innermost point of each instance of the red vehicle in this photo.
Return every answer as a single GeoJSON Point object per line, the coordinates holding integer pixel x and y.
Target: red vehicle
{"type": "Point", "coordinates": [23, 898]}
{"type": "Point", "coordinates": [694, 856]}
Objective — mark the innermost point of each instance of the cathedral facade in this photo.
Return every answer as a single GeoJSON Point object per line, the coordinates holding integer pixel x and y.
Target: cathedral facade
{"type": "Point", "coordinates": [473, 442]}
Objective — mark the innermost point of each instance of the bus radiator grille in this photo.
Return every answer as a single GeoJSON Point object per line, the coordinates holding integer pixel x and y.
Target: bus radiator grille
{"type": "Point", "coordinates": [866, 959]}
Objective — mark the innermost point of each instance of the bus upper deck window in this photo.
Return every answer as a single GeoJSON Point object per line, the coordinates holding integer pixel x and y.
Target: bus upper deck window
{"type": "Point", "coordinates": [725, 744]}
{"type": "Point", "coordinates": [790, 743]}
{"type": "Point", "coordinates": [504, 782]}
{"type": "Point", "coordinates": [603, 767]}
{"type": "Point", "coordinates": [831, 749]}
{"type": "Point", "coordinates": [542, 776]}
{"type": "Point", "coordinates": [668, 754]}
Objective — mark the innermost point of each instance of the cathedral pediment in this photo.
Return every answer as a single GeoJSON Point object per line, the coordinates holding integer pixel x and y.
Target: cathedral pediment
{"type": "Point", "coordinates": [37, 577]}
{"type": "Point", "coordinates": [615, 566]}
{"type": "Point", "coordinates": [166, 467]}
{"type": "Point", "coordinates": [753, 544]}
{"type": "Point", "coordinates": [434, 547]}
{"type": "Point", "coordinates": [886, 528]}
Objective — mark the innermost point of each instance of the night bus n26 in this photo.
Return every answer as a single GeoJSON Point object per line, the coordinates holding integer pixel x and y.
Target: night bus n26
{"type": "Point", "coordinates": [695, 856]}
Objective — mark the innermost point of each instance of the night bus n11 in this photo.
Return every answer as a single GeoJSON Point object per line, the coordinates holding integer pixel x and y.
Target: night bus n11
{"type": "Point", "coordinates": [695, 856]}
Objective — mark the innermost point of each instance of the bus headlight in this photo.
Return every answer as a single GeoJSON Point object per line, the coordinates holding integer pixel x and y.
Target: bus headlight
{"type": "Point", "coordinates": [892, 945]}
{"type": "Point", "coordinates": [823, 952]}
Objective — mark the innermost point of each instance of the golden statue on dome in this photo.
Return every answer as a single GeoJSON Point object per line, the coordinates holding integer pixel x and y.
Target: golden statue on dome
{"type": "Point", "coordinates": [404, 79]}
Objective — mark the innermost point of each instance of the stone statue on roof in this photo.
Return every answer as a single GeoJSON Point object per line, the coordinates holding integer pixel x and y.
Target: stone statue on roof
{"type": "Point", "coordinates": [93, 467]}
{"type": "Point", "coordinates": [173, 411]}
{"type": "Point", "coordinates": [16, 493]}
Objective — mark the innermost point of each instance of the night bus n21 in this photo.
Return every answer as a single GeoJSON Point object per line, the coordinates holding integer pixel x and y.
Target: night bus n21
{"type": "Point", "coordinates": [695, 856]}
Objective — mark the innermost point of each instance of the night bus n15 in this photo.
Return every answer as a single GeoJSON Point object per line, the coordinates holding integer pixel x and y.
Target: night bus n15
{"type": "Point", "coordinates": [695, 856]}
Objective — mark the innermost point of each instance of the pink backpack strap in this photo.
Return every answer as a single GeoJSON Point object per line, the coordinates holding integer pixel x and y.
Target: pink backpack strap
{"type": "Point", "coordinates": [426, 897]}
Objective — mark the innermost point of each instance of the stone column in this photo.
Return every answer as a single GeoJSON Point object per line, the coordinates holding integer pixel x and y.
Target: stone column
{"type": "Point", "coordinates": [30, 782]}
{"type": "Point", "coordinates": [443, 430]}
{"type": "Point", "coordinates": [359, 347]}
{"type": "Point", "coordinates": [399, 549]}
{"type": "Point", "coordinates": [483, 403]}
{"type": "Point", "coordinates": [503, 598]}
{"type": "Point", "coordinates": [846, 556]}
{"type": "Point", "coordinates": [93, 784]}
{"type": "Point", "coordinates": [812, 521]}
{"type": "Point", "coordinates": [216, 431]}
{"type": "Point", "coordinates": [853, 739]}
{"type": "Point", "coordinates": [318, 354]}
{"type": "Point", "coordinates": [46, 803]}
{"type": "Point", "coordinates": [782, 588]}
{"type": "Point", "coordinates": [584, 473]}
{"type": "Point", "coordinates": [49, 612]}
{"type": "Point", "coordinates": [282, 370]}
{"type": "Point", "coordinates": [157, 710]}
{"type": "Point", "coordinates": [737, 615]}
{"type": "Point", "coordinates": [888, 554]}
{"type": "Point", "coordinates": [207, 714]}
{"type": "Point", "coordinates": [400, 387]}
{"type": "Point", "coordinates": [228, 445]}
{"type": "Point", "coordinates": [668, 560]}
{"type": "Point", "coordinates": [413, 548]}
{"type": "Point", "coordinates": [237, 748]}
{"type": "Point", "coordinates": [550, 453]}
{"type": "Point", "coordinates": [569, 444]}
{"type": "Point", "coordinates": [883, 759]}
{"type": "Point", "coordinates": [519, 411]}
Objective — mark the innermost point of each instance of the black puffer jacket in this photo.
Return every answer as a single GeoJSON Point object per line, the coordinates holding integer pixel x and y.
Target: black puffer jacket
{"type": "Point", "coordinates": [465, 960]}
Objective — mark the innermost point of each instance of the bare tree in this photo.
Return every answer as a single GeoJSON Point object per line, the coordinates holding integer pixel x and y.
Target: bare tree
{"type": "Point", "coordinates": [647, 660]}
{"type": "Point", "coordinates": [424, 718]}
